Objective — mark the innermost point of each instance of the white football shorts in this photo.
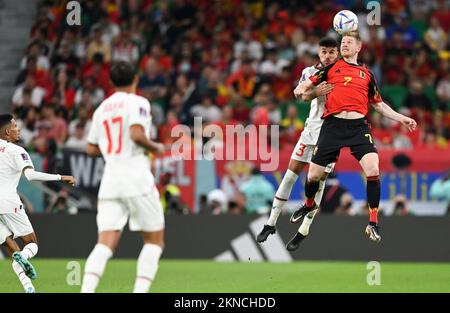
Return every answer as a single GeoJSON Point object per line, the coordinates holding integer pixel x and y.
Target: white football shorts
{"type": "Point", "coordinates": [17, 224]}
{"type": "Point", "coordinates": [145, 213]}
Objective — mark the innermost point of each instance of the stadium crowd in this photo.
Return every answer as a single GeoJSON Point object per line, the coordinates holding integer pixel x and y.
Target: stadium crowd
{"type": "Point", "coordinates": [230, 62]}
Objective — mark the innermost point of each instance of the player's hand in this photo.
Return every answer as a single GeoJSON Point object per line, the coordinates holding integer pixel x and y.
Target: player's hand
{"type": "Point", "coordinates": [323, 89]}
{"type": "Point", "coordinates": [158, 148]}
{"type": "Point", "coordinates": [297, 91]}
{"type": "Point", "coordinates": [409, 123]}
{"type": "Point", "coordinates": [68, 180]}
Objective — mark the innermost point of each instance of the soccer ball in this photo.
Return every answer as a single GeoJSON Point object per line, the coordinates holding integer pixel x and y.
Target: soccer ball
{"type": "Point", "coordinates": [345, 21]}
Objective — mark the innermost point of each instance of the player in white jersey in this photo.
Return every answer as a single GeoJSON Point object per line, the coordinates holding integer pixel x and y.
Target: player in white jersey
{"type": "Point", "coordinates": [302, 154]}
{"type": "Point", "coordinates": [14, 222]}
{"type": "Point", "coordinates": [120, 132]}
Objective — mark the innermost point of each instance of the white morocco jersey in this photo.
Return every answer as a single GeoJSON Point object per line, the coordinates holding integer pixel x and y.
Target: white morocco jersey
{"type": "Point", "coordinates": [314, 121]}
{"type": "Point", "coordinates": [127, 171]}
{"type": "Point", "coordinates": [13, 159]}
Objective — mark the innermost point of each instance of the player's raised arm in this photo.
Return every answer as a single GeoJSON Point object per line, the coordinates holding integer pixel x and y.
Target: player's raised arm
{"type": "Point", "coordinates": [381, 107]}
{"type": "Point", "coordinates": [387, 111]}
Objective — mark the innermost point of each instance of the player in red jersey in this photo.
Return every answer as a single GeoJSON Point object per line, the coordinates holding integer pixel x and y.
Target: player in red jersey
{"type": "Point", "coordinates": [345, 125]}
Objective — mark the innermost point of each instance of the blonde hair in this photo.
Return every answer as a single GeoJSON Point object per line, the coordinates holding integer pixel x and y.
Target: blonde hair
{"type": "Point", "coordinates": [353, 34]}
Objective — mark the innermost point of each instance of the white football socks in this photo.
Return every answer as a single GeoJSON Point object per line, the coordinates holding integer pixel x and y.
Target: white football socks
{"type": "Point", "coordinates": [147, 266]}
{"type": "Point", "coordinates": [30, 250]}
{"type": "Point", "coordinates": [95, 266]}
{"type": "Point", "coordinates": [283, 192]}
{"type": "Point", "coordinates": [24, 279]}
{"type": "Point", "coordinates": [304, 228]}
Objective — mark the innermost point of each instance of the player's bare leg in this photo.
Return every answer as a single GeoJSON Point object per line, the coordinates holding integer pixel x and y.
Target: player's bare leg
{"type": "Point", "coordinates": [370, 166]}
{"type": "Point", "coordinates": [12, 247]}
{"type": "Point", "coordinates": [96, 262]}
{"type": "Point", "coordinates": [282, 195]}
{"type": "Point", "coordinates": [148, 260]}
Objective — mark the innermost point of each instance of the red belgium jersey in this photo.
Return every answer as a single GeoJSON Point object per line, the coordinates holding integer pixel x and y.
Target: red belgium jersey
{"type": "Point", "coordinates": [354, 87]}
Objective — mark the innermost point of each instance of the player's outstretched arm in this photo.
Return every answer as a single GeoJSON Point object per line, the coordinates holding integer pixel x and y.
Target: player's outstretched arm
{"type": "Point", "coordinates": [137, 134]}
{"type": "Point", "coordinates": [320, 90]}
{"type": "Point", "coordinates": [31, 175]}
{"type": "Point", "coordinates": [387, 111]}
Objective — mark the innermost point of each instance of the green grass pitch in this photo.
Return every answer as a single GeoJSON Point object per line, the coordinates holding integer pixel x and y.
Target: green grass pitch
{"type": "Point", "coordinates": [208, 276]}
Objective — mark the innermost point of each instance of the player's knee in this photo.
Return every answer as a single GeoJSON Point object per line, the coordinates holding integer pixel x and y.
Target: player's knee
{"type": "Point", "coordinates": [157, 242]}
{"type": "Point", "coordinates": [372, 171]}
{"type": "Point", "coordinates": [31, 238]}
{"type": "Point", "coordinates": [314, 175]}
{"type": "Point", "coordinates": [296, 166]}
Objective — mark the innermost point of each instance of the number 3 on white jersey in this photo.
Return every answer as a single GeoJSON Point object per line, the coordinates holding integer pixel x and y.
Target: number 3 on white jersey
{"type": "Point", "coordinates": [113, 129]}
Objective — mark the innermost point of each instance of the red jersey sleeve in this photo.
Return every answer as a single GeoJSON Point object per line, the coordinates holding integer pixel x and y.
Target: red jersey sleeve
{"type": "Point", "coordinates": [321, 75]}
{"type": "Point", "coordinates": [374, 94]}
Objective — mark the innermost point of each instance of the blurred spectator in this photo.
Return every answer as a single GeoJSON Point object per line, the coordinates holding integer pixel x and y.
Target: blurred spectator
{"type": "Point", "coordinates": [65, 58]}
{"type": "Point", "coordinates": [272, 65]}
{"type": "Point", "coordinates": [60, 205]}
{"type": "Point", "coordinates": [77, 139]}
{"type": "Point", "coordinates": [58, 126]}
{"type": "Point", "coordinates": [34, 51]}
{"type": "Point", "coordinates": [246, 43]}
{"type": "Point", "coordinates": [401, 206]}
{"type": "Point", "coordinates": [291, 127]}
{"type": "Point", "coordinates": [237, 206]}
{"type": "Point", "coordinates": [440, 189]}
{"type": "Point", "coordinates": [336, 198]}
{"type": "Point", "coordinates": [28, 93]}
{"type": "Point", "coordinates": [217, 202]}
{"type": "Point", "coordinates": [88, 85]}
{"type": "Point", "coordinates": [156, 54]}
{"type": "Point", "coordinates": [170, 195]}
{"type": "Point", "coordinates": [240, 111]}
{"type": "Point", "coordinates": [97, 45]}
{"type": "Point", "coordinates": [443, 91]}
{"type": "Point", "coordinates": [63, 93]}
{"type": "Point", "coordinates": [443, 133]}
{"type": "Point", "coordinates": [125, 50]}
{"type": "Point", "coordinates": [258, 193]}
{"type": "Point", "coordinates": [431, 140]}
{"type": "Point", "coordinates": [99, 70]}
{"type": "Point", "coordinates": [416, 97]}
{"type": "Point", "coordinates": [153, 79]}
{"type": "Point", "coordinates": [207, 110]}
{"type": "Point", "coordinates": [401, 140]}
{"type": "Point", "coordinates": [442, 14]}
{"type": "Point", "coordinates": [110, 30]}
{"type": "Point", "coordinates": [403, 26]}
{"type": "Point", "coordinates": [435, 36]}
{"type": "Point", "coordinates": [27, 125]}
{"type": "Point", "coordinates": [244, 81]}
